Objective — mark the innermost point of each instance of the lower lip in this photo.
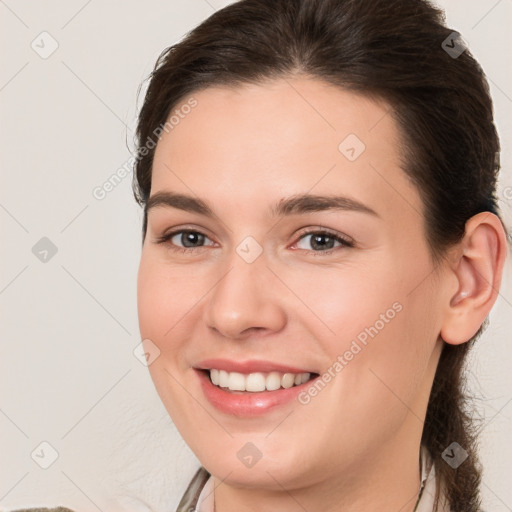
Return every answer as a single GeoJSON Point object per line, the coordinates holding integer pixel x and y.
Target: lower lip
{"type": "Point", "coordinates": [246, 403]}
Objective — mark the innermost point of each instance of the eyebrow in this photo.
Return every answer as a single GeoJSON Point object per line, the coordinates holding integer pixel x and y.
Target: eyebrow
{"type": "Point", "coordinates": [294, 205]}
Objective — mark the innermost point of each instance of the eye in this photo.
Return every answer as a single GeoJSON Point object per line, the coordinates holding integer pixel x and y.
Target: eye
{"type": "Point", "coordinates": [184, 239]}
{"type": "Point", "coordinates": [322, 241]}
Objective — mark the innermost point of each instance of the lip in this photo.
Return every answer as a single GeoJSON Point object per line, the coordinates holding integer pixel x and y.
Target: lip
{"type": "Point", "coordinates": [247, 404]}
{"type": "Point", "coordinates": [249, 366]}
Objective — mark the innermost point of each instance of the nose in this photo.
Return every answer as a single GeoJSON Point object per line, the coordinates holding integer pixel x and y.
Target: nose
{"type": "Point", "coordinates": [245, 300]}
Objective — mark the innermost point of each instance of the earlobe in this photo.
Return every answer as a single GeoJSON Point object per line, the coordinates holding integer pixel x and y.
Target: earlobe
{"type": "Point", "coordinates": [478, 271]}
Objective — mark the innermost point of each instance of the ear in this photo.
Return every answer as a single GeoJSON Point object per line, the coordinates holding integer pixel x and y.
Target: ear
{"type": "Point", "coordinates": [477, 268]}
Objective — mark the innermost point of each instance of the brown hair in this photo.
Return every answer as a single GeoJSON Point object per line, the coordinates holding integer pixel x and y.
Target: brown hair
{"type": "Point", "coordinates": [389, 49]}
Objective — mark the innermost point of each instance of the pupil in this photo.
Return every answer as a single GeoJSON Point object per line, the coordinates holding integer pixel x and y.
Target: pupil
{"type": "Point", "coordinates": [189, 239]}
{"type": "Point", "coordinates": [317, 241]}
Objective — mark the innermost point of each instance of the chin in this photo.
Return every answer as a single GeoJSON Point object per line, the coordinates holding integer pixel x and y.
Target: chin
{"type": "Point", "coordinates": [253, 461]}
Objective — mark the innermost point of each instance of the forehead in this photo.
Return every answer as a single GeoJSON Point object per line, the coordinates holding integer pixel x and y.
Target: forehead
{"type": "Point", "coordinates": [281, 137]}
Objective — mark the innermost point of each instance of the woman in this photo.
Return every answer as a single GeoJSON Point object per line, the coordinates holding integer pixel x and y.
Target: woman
{"type": "Point", "coordinates": [321, 248]}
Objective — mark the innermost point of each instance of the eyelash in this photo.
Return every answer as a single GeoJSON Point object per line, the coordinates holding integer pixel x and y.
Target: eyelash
{"type": "Point", "coordinates": [344, 241]}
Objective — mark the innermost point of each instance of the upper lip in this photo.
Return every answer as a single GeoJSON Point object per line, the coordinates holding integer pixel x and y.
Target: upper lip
{"type": "Point", "coordinates": [248, 366]}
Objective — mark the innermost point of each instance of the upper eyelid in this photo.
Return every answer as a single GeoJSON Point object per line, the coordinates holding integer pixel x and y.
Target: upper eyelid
{"type": "Point", "coordinates": [173, 232]}
{"type": "Point", "coordinates": [328, 231]}
{"type": "Point", "coordinates": [344, 239]}
{"type": "Point", "coordinates": [307, 232]}
{"type": "Point", "coordinates": [304, 232]}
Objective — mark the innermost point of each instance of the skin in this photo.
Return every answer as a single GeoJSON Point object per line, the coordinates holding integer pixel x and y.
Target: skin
{"type": "Point", "coordinates": [354, 446]}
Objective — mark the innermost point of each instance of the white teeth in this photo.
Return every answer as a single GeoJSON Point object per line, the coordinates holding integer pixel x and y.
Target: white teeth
{"type": "Point", "coordinates": [223, 378]}
{"type": "Point", "coordinates": [287, 380]}
{"type": "Point", "coordinates": [273, 381]}
{"type": "Point", "coordinates": [236, 381]}
{"type": "Point", "coordinates": [257, 381]}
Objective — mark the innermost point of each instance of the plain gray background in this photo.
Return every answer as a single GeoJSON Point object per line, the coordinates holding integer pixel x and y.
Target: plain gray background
{"type": "Point", "coordinates": [69, 375]}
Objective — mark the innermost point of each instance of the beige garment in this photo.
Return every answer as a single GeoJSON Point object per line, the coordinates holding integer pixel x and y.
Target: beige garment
{"type": "Point", "coordinates": [428, 487]}
{"type": "Point", "coordinates": [199, 496]}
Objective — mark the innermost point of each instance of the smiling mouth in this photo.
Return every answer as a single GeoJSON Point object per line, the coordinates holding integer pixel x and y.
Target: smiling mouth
{"type": "Point", "coordinates": [257, 381]}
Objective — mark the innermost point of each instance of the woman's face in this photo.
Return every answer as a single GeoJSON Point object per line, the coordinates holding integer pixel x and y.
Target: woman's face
{"type": "Point", "coordinates": [296, 246]}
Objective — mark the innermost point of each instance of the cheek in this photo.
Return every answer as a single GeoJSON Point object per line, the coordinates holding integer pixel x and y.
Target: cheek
{"type": "Point", "coordinates": [152, 294]}
{"type": "Point", "coordinates": [165, 297]}
{"type": "Point", "coordinates": [381, 324]}
{"type": "Point", "coordinates": [162, 310]}
{"type": "Point", "coordinates": [341, 303]}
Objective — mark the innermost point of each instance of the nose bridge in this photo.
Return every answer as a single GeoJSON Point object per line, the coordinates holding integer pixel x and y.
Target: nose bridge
{"type": "Point", "coordinates": [242, 299]}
